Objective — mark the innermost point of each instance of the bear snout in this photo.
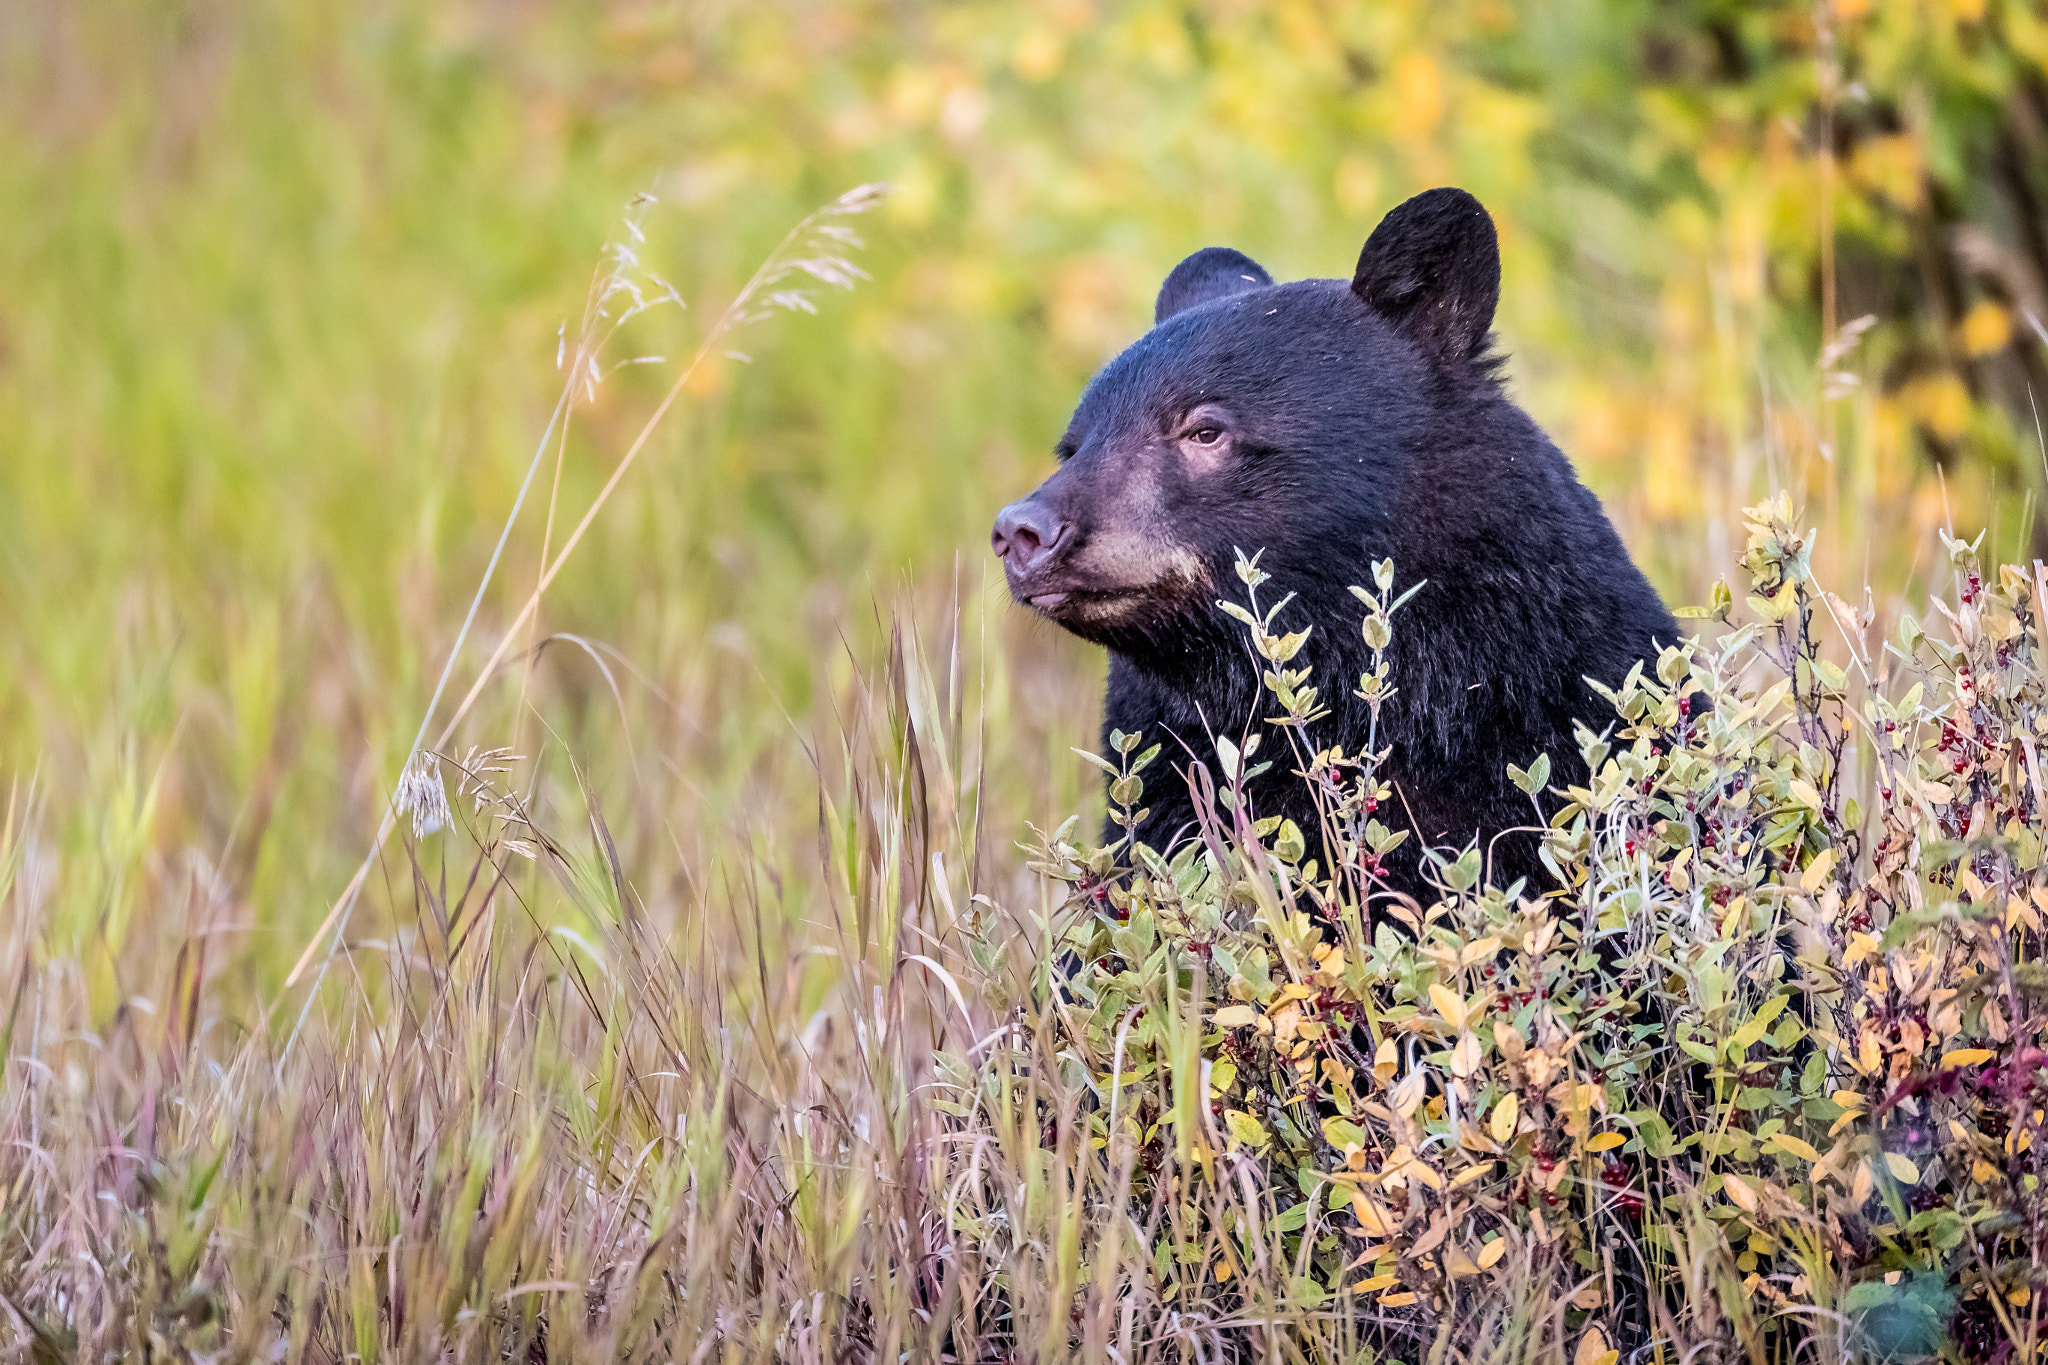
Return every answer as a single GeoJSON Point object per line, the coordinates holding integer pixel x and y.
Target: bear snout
{"type": "Point", "coordinates": [1027, 535]}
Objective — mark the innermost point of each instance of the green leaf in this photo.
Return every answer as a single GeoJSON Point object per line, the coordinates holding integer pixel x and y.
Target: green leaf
{"type": "Point", "coordinates": [1534, 778]}
{"type": "Point", "coordinates": [1245, 1128]}
{"type": "Point", "coordinates": [1343, 1134]}
{"type": "Point", "coordinates": [1461, 875]}
{"type": "Point", "coordinates": [1307, 1292]}
{"type": "Point", "coordinates": [1654, 1132]}
{"type": "Point", "coordinates": [1753, 1031]}
{"type": "Point", "coordinates": [1283, 648]}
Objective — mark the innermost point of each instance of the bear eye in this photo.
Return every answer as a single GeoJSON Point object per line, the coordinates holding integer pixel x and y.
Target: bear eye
{"type": "Point", "coordinates": [1205, 436]}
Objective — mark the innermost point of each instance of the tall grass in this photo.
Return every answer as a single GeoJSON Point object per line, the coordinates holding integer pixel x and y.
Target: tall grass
{"type": "Point", "coordinates": [711, 1099]}
{"type": "Point", "coordinates": [1760, 1080]}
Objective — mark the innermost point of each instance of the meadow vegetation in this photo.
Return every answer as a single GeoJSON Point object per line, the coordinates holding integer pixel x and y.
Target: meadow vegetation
{"type": "Point", "coordinates": [697, 999]}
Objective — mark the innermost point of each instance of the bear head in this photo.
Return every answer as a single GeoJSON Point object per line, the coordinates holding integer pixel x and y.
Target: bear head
{"type": "Point", "coordinates": [1254, 416]}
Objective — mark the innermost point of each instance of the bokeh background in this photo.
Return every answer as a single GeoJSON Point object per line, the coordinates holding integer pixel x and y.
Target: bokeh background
{"type": "Point", "coordinates": [281, 287]}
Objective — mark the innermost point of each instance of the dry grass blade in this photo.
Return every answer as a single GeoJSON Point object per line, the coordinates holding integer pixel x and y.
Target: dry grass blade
{"type": "Point", "coordinates": [820, 233]}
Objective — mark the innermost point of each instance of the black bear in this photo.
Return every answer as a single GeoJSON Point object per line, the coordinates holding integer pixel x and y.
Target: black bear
{"type": "Point", "coordinates": [1332, 424]}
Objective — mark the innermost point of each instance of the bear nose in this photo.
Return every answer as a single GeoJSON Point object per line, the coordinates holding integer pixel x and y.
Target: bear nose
{"type": "Point", "coordinates": [1026, 533]}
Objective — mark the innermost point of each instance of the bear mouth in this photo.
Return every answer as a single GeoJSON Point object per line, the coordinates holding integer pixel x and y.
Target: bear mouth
{"type": "Point", "coordinates": [1074, 606]}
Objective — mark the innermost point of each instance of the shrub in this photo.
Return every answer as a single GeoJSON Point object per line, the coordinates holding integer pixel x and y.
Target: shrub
{"type": "Point", "coordinates": [1759, 1070]}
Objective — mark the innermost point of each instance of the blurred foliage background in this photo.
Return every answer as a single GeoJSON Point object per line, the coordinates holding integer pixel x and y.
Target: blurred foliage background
{"type": "Point", "coordinates": [280, 290]}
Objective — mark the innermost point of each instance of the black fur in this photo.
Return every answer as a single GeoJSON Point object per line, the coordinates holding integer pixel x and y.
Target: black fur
{"type": "Point", "coordinates": [1331, 424]}
{"type": "Point", "coordinates": [1214, 272]}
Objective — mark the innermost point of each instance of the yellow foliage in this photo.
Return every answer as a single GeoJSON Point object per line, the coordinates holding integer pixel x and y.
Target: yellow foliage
{"type": "Point", "coordinates": [1985, 329]}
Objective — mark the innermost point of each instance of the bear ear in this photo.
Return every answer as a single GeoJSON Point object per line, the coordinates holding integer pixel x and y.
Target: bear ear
{"type": "Point", "coordinates": [1214, 272]}
{"type": "Point", "coordinates": [1432, 268]}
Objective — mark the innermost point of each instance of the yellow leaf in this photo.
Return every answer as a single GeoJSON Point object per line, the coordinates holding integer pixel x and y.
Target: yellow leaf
{"type": "Point", "coordinates": [1458, 1262]}
{"type": "Point", "coordinates": [1472, 1173]}
{"type": "Point", "coordinates": [1739, 1193]}
{"type": "Point", "coordinates": [1798, 1147]}
{"type": "Point", "coordinates": [1850, 1099]}
{"type": "Point", "coordinates": [1286, 1021]}
{"type": "Point", "coordinates": [1224, 1270]}
{"type": "Point", "coordinates": [1983, 1172]}
{"type": "Point", "coordinates": [1447, 1004]}
{"type": "Point", "coordinates": [1438, 1229]}
{"type": "Point", "coordinates": [1966, 1056]}
{"type": "Point", "coordinates": [1490, 1254]}
{"type": "Point", "coordinates": [1375, 1284]}
{"type": "Point", "coordinates": [1816, 873]}
{"type": "Point", "coordinates": [1237, 1016]}
{"type": "Point", "coordinates": [1502, 1124]}
{"type": "Point", "coordinates": [1902, 1168]}
{"type": "Point", "coordinates": [1804, 793]}
{"type": "Point", "coordinates": [1479, 950]}
{"type": "Point", "coordinates": [1592, 1348]}
{"type": "Point", "coordinates": [1605, 1141]}
{"type": "Point", "coordinates": [1396, 1300]}
{"type": "Point", "coordinates": [1466, 1056]}
{"type": "Point", "coordinates": [1509, 1040]}
{"type": "Point", "coordinates": [1985, 329]}
{"type": "Point", "coordinates": [1376, 1221]}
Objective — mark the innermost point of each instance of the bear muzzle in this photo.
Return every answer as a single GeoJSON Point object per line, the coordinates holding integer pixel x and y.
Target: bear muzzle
{"type": "Point", "coordinates": [1029, 538]}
